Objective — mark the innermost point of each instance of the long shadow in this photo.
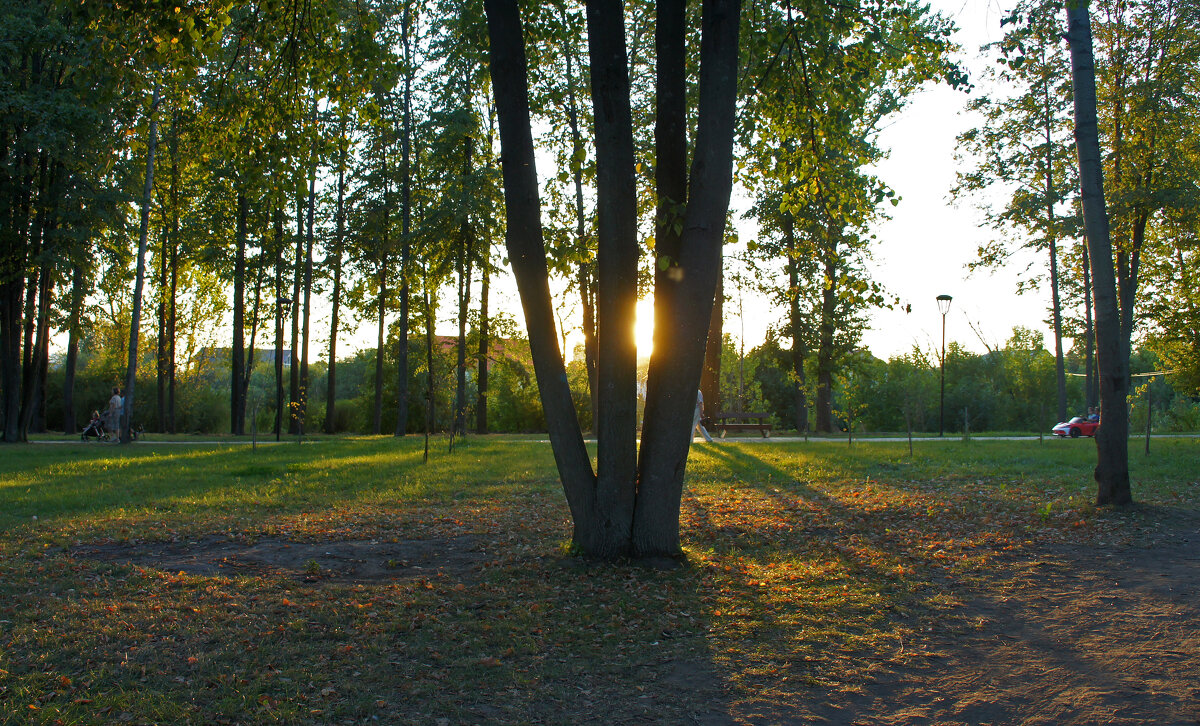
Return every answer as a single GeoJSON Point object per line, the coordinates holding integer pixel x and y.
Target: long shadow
{"type": "Point", "coordinates": [830, 524]}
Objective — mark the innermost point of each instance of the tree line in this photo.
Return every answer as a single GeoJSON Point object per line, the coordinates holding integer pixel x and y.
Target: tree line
{"type": "Point", "coordinates": [232, 164]}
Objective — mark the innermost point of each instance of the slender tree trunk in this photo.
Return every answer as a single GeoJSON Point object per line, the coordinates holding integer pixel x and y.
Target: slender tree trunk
{"type": "Point", "coordinates": [160, 352]}
{"type": "Point", "coordinates": [485, 339]}
{"type": "Point", "coordinates": [172, 311]}
{"type": "Point", "coordinates": [294, 393]}
{"type": "Point", "coordinates": [237, 407]}
{"type": "Point", "coordinates": [143, 235]}
{"type": "Point", "coordinates": [336, 301]}
{"type": "Point", "coordinates": [405, 227]}
{"type": "Point", "coordinates": [306, 327]}
{"type": "Point", "coordinates": [1089, 334]}
{"type": "Point", "coordinates": [377, 419]}
{"type": "Point", "coordinates": [1060, 369]}
{"type": "Point", "coordinates": [70, 425]}
{"type": "Point", "coordinates": [825, 348]}
{"type": "Point", "coordinates": [1112, 438]}
{"type": "Point", "coordinates": [430, 377]}
{"type": "Point", "coordinates": [585, 269]}
{"type": "Point", "coordinates": [799, 349]}
{"type": "Point", "coordinates": [255, 317]}
{"type": "Point", "coordinates": [280, 302]}
{"type": "Point", "coordinates": [467, 234]}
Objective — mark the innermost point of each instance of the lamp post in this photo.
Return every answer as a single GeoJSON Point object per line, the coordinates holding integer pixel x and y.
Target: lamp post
{"type": "Point", "coordinates": [943, 302]}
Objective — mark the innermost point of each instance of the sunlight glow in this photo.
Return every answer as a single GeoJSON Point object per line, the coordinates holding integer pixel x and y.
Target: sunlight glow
{"type": "Point", "coordinates": [643, 328]}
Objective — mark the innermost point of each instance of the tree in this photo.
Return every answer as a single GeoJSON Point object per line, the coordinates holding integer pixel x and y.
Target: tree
{"type": "Point", "coordinates": [820, 81]}
{"type": "Point", "coordinates": [1024, 145]}
{"type": "Point", "coordinates": [1112, 445]}
{"type": "Point", "coordinates": [631, 506]}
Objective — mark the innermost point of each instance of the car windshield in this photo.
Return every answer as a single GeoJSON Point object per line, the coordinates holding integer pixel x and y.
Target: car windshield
{"type": "Point", "coordinates": [1077, 419]}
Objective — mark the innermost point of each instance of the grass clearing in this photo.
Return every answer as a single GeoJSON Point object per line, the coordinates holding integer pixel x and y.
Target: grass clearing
{"type": "Point", "coordinates": [811, 565]}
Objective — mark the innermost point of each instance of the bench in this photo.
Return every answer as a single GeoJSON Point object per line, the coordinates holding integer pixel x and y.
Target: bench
{"type": "Point", "coordinates": [737, 421]}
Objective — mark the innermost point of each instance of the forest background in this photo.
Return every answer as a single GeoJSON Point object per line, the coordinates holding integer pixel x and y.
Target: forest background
{"type": "Point", "coordinates": [274, 180]}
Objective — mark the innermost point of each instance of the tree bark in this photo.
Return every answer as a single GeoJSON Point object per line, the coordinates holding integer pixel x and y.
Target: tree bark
{"type": "Point", "coordinates": [339, 242]}
{"type": "Point", "coordinates": [675, 369]}
{"type": "Point", "coordinates": [527, 254]}
{"type": "Point", "coordinates": [237, 406]}
{"type": "Point", "coordinates": [294, 420]}
{"type": "Point", "coordinates": [1112, 438]}
{"type": "Point", "coordinates": [143, 235]}
{"type": "Point", "coordinates": [616, 280]}
{"type": "Point", "coordinates": [78, 280]}
{"type": "Point", "coordinates": [485, 338]}
{"type": "Point", "coordinates": [1060, 369]}
{"type": "Point", "coordinates": [377, 418]}
{"type": "Point", "coordinates": [280, 301]}
{"type": "Point", "coordinates": [405, 227]}
{"type": "Point", "coordinates": [799, 349]}
{"type": "Point", "coordinates": [306, 326]}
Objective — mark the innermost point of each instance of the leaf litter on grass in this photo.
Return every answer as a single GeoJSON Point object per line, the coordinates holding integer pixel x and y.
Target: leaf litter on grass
{"type": "Point", "coordinates": [804, 580]}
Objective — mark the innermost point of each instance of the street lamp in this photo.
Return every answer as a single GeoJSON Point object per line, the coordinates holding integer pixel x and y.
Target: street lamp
{"type": "Point", "coordinates": [943, 302]}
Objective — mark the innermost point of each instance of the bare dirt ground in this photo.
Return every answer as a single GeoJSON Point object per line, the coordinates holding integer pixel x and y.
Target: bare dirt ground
{"type": "Point", "coordinates": [1064, 634]}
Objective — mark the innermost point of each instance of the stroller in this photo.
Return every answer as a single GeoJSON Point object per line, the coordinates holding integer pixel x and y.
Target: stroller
{"type": "Point", "coordinates": [95, 430]}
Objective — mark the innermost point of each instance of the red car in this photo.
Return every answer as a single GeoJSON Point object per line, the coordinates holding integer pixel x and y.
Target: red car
{"type": "Point", "coordinates": [1076, 427]}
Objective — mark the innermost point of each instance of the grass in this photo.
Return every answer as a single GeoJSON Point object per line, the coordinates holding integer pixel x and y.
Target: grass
{"type": "Point", "coordinates": [806, 563]}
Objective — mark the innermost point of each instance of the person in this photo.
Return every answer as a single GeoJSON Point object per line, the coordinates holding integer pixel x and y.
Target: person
{"type": "Point", "coordinates": [95, 427]}
{"type": "Point", "coordinates": [699, 414]}
{"type": "Point", "coordinates": [1093, 414]}
{"type": "Point", "coordinates": [115, 404]}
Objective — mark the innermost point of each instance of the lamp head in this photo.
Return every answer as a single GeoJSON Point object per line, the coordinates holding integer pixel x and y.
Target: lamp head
{"type": "Point", "coordinates": [943, 302]}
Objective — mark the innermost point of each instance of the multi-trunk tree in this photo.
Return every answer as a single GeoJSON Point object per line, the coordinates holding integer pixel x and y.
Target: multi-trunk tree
{"type": "Point", "coordinates": [630, 505]}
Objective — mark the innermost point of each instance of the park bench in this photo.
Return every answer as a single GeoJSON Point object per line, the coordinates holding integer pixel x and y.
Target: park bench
{"type": "Point", "coordinates": [739, 421]}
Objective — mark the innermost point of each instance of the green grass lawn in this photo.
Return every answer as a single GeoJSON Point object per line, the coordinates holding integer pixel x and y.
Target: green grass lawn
{"type": "Point", "coordinates": [803, 559]}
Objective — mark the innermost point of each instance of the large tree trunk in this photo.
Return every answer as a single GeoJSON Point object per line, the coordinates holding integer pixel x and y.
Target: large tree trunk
{"type": "Point", "coordinates": [377, 418]}
{"type": "Point", "coordinates": [12, 288]}
{"type": "Point", "coordinates": [616, 280]}
{"type": "Point", "coordinates": [675, 367]}
{"type": "Point", "coordinates": [1112, 438]}
{"type": "Point", "coordinates": [140, 275]}
{"type": "Point", "coordinates": [237, 407]}
{"type": "Point", "coordinates": [527, 254]}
